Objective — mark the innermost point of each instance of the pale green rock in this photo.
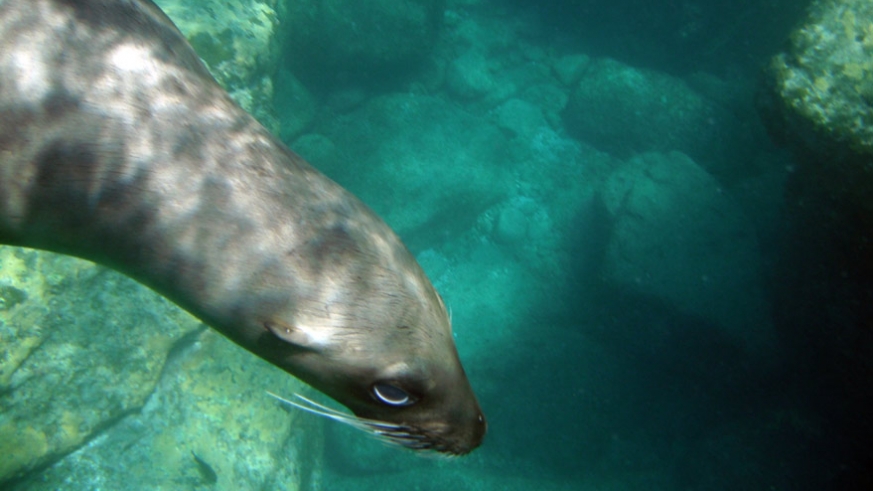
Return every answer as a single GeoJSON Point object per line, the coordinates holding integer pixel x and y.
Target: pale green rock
{"type": "Point", "coordinates": [826, 75]}
{"type": "Point", "coordinates": [240, 44]}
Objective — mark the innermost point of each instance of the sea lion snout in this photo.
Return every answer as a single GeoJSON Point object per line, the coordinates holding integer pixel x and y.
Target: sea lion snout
{"type": "Point", "coordinates": [445, 418]}
{"type": "Point", "coordinates": [437, 406]}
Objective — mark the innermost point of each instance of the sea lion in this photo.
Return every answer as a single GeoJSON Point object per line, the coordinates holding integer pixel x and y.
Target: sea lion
{"type": "Point", "coordinates": [117, 146]}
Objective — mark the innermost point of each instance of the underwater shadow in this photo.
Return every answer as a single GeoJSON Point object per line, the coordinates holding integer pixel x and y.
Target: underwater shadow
{"type": "Point", "coordinates": [606, 381]}
{"type": "Point", "coordinates": [614, 381]}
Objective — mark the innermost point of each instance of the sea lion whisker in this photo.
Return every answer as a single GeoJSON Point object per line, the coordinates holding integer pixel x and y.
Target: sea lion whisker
{"type": "Point", "coordinates": [406, 439]}
{"type": "Point", "coordinates": [321, 407]}
{"type": "Point", "coordinates": [402, 435]}
{"type": "Point", "coordinates": [388, 433]}
{"type": "Point", "coordinates": [322, 411]}
{"type": "Point", "coordinates": [366, 425]}
{"type": "Point", "coordinates": [381, 425]}
{"type": "Point", "coordinates": [372, 423]}
{"type": "Point", "coordinates": [310, 405]}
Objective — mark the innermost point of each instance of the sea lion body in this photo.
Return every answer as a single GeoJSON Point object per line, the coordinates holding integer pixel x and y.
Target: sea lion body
{"type": "Point", "coordinates": [117, 146]}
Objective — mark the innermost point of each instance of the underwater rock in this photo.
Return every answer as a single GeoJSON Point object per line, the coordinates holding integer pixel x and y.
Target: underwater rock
{"type": "Point", "coordinates": [521, 222]}
{"type": "Point", "coordinates": [550, 98]}
{"type": "Point", "coordinates": [570, 68]}
{"type": "Point", "coordinates": [360, 38]}
{"type": "Point", "coordinates": [102, 380]}
{"type": "Point", "coordinates": [469, 76]}
{"type": "Point", "coordinates": [512, 226]}
{"type": "Point", "coordinates": [520, 119]}
{"type": "Point", "coordinates": [679, 237]}
{"type": "Point", "coordinates": [294, 104]}
{"type": "Point", "coordinates": [211, 402]}
{"type": "Point", "coordinates": [407, 165]}
{"type": "Point", "coordinates": [318, 148]}
{"type": "Point", "coordinates": [239, 43]}
{"type": "Point", "coordinates": [624, 110]}
{"type": "Point", "coordinates": [82, 350]}
{"type": "Point", "coordinates": [819, 102]}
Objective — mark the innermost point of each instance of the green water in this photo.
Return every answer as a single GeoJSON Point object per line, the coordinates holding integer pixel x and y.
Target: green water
{"type": "Point", "coordinates": [591, 189]}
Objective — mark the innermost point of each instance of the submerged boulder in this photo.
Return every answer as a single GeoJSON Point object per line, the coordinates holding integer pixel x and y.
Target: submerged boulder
{"type": "Point", "coordinates": [333, 37]}
{"type": "Point", "coordinates": [105, 384]}
{"type": "Point", "coordinates": [76, 356]}
{"type": "Point", "coordinates": [679, 237]}
{"type": "Point", "coordinates": [625, 110]}
{"type": "Point", "coordinates": [399, 154]}
{"type": "Point", "coordinates": [819, 101]}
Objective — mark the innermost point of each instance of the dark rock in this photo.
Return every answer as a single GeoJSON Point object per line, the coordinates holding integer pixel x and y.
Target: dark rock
{"type": "Point", "coordinates": [624, 110]}
{"type": "Point", "coordinates": [359, 39]}
{"type": "Point", "coordinates": [678, 236]}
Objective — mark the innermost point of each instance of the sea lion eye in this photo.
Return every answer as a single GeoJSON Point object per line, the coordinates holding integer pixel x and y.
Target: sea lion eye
{"type": "Point", "coordinates": [392, 395]}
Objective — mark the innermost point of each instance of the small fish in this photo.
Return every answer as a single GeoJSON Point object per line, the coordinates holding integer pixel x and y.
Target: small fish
{"type": "Point", "coordinates": [206, 471]}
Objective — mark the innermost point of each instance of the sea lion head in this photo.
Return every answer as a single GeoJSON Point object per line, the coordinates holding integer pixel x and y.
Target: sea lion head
{"type": "Point", "coordinates": [371, 332]}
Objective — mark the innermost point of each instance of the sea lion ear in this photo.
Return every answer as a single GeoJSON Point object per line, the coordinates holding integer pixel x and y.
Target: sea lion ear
{"type": "Point", "coordinates": [296, 336]}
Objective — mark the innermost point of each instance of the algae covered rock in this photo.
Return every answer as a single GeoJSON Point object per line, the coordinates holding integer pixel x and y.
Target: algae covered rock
{"type": "Point", "coordinates": [239, 41]}
{"type": "Point", "coordinates": [84, 348]}
{"type": "Point", "coordinates": [104, 383]}
{"type": "Point", "coordinates": [819, 99]}
{"type": "Point", "coordinates": [826, 76]}
{"type": "Point", "coordinates": [209, 424]}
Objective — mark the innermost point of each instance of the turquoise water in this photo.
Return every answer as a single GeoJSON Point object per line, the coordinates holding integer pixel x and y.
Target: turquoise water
{"type": "Point", "coordinates": [636, 297]}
